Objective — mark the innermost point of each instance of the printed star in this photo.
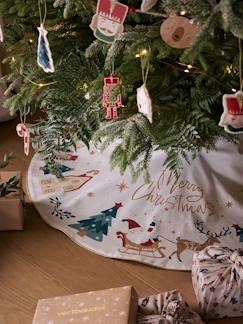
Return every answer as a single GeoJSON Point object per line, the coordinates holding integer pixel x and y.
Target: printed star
{"type": "Point", "coordinates": [229, 204]}
{"type": "Point", "coordinates": [173, 232]}
{"type": "Point", "coordinates": [122, 186]}
{"type": "Point", "coordinates": [90, 194]}
{"type": "Point", "coordinates": [92, 152]}
{"type": "Point", "coordinates": [166, 209]}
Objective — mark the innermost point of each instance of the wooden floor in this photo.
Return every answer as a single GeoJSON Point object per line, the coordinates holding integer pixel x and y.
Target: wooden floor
{"type": "Point", "coordinates": [41, 262]}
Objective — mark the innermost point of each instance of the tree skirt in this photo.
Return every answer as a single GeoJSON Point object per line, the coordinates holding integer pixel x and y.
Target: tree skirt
{"type": "Point", "coordinates": [160, 223]}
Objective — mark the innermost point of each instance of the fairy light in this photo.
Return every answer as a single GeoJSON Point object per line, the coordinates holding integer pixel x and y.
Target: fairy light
{"type": "Point", "coordinates": [31, 41]}
{"type": "Point", "coordinates": [144, 52]}
{"type": "Point", "coordinates": [13, 59]}
{"type": "Point", "coordinates": [137, 55]}
{"type": "Point", "coordinates": [41, 85]}
{"type": "Point", "coordinates": [183, 12]}
{"type": "Point", "coordinates": [234, 90]}
{"type": "Point", "coordinates": [186, 71]}
{"type": "Point", "coordinates": [189, 66]}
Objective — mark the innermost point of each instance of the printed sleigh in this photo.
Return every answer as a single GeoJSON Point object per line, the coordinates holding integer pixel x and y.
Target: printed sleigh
{"type": "Point", "coordinates": [217, 276]}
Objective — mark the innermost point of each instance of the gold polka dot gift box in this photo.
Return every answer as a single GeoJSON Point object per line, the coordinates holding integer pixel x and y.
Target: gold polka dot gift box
{"type": "Point", "coordinates": [115, 305]}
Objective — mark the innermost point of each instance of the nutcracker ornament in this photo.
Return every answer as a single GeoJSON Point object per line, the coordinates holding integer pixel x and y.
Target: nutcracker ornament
{"type": "Point", "coordinates": [112, 97]}
{"type": "Point", "coordinates": [107, 23]}
{"type": "Point", "coordinates": [232, 117]}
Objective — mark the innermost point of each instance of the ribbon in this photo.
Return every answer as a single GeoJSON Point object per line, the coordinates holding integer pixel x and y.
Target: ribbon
{"type": "Point", "coordinates": [23, 131]}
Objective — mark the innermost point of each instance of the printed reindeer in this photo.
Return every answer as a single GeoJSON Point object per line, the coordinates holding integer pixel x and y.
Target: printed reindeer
{"type": "Point", "coordinates": [183, 244]}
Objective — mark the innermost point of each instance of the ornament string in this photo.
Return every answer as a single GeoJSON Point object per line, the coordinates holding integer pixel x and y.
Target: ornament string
{"type": "Point", "coordinates": [42, 20]}
{"type": "Point", "coordinates": [151, 13]}
{"type": "Point", "coordinates": [145, 65]}
{"type": "Point", "coordinates": [240, 64]}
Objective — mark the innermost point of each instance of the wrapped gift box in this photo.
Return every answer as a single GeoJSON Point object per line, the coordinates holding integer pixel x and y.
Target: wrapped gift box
{"type": "Point", "coordinates": [11, 205]}
{"type": "Point", "coordinates": [167, 307]}
{"type": "Point", "coordinates": [217, 276]}
{"type": "Point", "coordinates": [110, 306]}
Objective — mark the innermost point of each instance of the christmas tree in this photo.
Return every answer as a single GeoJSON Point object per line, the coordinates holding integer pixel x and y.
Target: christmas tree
{"type": "Point", "coordinates": [96, 226]}
{"type": "Point", "coordinates": [185, 85]}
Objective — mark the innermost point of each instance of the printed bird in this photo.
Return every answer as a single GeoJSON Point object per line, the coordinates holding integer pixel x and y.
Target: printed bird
{"type": "Point", "coordinates": [239, 231]}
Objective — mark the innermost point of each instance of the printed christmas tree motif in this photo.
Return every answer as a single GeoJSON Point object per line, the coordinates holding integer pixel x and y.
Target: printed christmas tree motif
{"type": "Point", "coordinates": [58, 212]}
{"type": "Point", "coordinates": [96, 226]}
{"type": "Point", "coordinates": [239, 231]}
{"type": "Point", "coordinates": [62, 168]}
{"type": "Point", "coordinates": [44, 55]}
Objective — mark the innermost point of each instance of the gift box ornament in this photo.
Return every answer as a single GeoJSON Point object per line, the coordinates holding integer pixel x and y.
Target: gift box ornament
{"type": "Point", "coordinates": [166, 308]}
{"type": "Point", "coordinates": [11, 201]}
{"type": "Point", "coordinates": [217, 276]}
{"type": "Point", "coordinates": [110, 306]}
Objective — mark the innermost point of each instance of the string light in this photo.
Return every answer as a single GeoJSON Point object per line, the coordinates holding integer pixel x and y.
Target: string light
{"type": "Point", "coordinates": [41, 85]}
{"type": "Point", "coordinates": [144, 52]}
{"type": "Point", "coordinates": [189, 66]}
{"type": "Point", "coordinates": [234, 90]}
{"type": "Point", "coordinates": [137, 55]}
{"type": "Point", "coordinates": [13, 59]}
{"type": "Point", "coordinates": [31, 41]}
{"type": "Point", "coordinates": [183, 12]}
{"type": "Point", "coordinates": [186, 70]}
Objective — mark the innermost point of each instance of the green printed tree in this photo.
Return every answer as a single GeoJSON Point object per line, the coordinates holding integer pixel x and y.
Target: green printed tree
{"type": "Point", "coordinates": [96, 226]}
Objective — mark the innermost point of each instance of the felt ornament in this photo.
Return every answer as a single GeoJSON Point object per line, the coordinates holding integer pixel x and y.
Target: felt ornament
{"type": "Point", "coordinates": [23, 131]}
{"type": "Point", "coordinates": [112, 98]}
{"type": "Point", "coordinates": [146, 5]}
{"type": "Point", "coordinates": [107, 23]}
{"type": "Point", "coordinates": [44, 55]}
{"type": "Point", "coordinates": [232, 117]}
{"type": "Point", "coordinates": [144, 102]}
{"type": "Point", "coordinates": [178, 31]}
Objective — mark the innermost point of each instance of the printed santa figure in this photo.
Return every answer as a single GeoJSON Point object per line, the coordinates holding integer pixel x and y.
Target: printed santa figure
{"type": "Point", "coordinates": [141, 235]}
{"type": "Point", "coordinates": [232, 118]}
{"type": "Point", "coordinates": [107, 23]}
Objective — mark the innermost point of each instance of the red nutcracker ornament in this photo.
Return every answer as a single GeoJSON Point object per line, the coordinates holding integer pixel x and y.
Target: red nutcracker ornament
{"type": "Point", "coordinates": [112, 97]}
{"type": "Point", "coordinates": [232, 117]}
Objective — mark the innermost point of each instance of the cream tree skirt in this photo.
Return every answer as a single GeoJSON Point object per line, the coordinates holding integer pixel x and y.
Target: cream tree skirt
{"type": "Point", "coordinates": [160, 223]}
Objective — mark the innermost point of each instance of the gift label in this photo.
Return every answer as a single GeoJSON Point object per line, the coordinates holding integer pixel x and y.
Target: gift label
{"type": "Point", "coordinates": [66, 184]}
{"type": "Point", "coordinates": [146, 5]}
{"type": "Point", "coordinates": [178, 31]}
{"type": "Point", "coordinates": [107, 23]}
{"type": "Point", "coordinates": [232, 117]}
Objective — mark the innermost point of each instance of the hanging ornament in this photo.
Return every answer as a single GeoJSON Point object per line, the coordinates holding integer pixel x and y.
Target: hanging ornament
{"type": "Point", "coordinates": [178, 31]}
{"type": "Point", "coordinates": [232, 117]}
{"type": "Point", "coordinates": [107, 23]}
{"type": "Point", "coordinates": [144, 102]}
{"type": "Point", "coordinates": [23, 131]}
{"type": "Point", "coordinates": [112, 97]}
{"type": "Point", "coordinates": [146, 5]}
{"type": "Point", "coordinates": [44, 55]}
